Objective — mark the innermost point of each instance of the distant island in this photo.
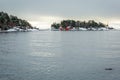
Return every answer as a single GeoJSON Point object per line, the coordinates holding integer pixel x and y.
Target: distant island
{"type": "Point", "coordinates": [72, 25]}
{"type": "Point", "coordinates": [9, 23]}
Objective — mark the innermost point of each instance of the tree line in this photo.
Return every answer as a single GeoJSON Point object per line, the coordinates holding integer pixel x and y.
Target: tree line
{"type": "Point", "coordinates": [10, 21]}
{"type": "Point", "coordinates": [78, 24]}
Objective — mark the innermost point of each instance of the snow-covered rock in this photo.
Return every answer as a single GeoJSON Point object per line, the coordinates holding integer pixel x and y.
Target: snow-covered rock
{"type": "Point", "coordinates": [73, 29]}
{"type": "Point", "coordinates": [11, 30]}
{"type": "Point", "coordinates": [82, 29]}
{"type": "Point", "coordinates": [94, 29]}
{"type": "Point", "coordinates": [32, 30]}
{"type": "Point", "coordinates": [103, 29]}
{"type": "Point", "coordinates": [17, 29]}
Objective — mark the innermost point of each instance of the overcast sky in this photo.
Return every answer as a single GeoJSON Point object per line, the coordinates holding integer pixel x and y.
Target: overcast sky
{"type": "Point", "coordinates": [43, 12]}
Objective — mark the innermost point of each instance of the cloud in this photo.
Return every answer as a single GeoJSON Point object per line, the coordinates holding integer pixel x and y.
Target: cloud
{"type": "Point", "coordinates": [64, 9]}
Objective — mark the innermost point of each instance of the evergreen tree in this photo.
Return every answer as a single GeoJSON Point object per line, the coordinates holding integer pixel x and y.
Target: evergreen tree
{"type": "Point", "coordinates": [9, 21]}
{"type": "Point", "coordinates": [72, 23]}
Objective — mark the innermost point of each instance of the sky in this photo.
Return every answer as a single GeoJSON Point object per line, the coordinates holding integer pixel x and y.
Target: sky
{"type": "Point", "coordinates": [42, 13]}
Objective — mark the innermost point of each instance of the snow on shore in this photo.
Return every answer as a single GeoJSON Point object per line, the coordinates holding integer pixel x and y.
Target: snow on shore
{"type": "Point", "coordinates": [16, 29]}
{"type": "Point", "coordinates": [84, 29]}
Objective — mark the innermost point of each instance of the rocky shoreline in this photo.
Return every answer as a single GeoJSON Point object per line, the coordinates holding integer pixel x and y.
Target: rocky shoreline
{"type": "Point", "coordinates": [17, 29]}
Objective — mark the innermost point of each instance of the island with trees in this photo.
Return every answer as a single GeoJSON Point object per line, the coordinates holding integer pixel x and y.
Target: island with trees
{"type": "Point", "coordinates": [72, 25]}
{"type": "Point", "coordinates": [9, 23]}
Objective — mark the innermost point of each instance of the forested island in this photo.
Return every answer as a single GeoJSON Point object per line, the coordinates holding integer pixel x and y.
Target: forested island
{"type": "Point", "coordinates": [67, 25]}
{"type": "Point", "coordinates": [13, 23]}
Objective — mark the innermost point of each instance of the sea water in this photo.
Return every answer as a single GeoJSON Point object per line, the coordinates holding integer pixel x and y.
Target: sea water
{"type": "Point", "coordinates": [60, 55]}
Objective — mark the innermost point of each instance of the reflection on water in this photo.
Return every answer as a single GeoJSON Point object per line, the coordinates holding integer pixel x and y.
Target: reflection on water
{"type": "Point", "coordinates": [58, 55]}
{"type": "Point", "coordinates": [43, 54]}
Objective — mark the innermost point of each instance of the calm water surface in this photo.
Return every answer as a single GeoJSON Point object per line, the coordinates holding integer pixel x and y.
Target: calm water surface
{"type": "Point", "coordinates": [48, 55]}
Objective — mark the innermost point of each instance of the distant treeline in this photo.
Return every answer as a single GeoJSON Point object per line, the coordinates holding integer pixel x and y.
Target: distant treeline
{"type": "Point", "coordinates": [78, 24]}
{"type": "Point", "coordinates": [10, 21]}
